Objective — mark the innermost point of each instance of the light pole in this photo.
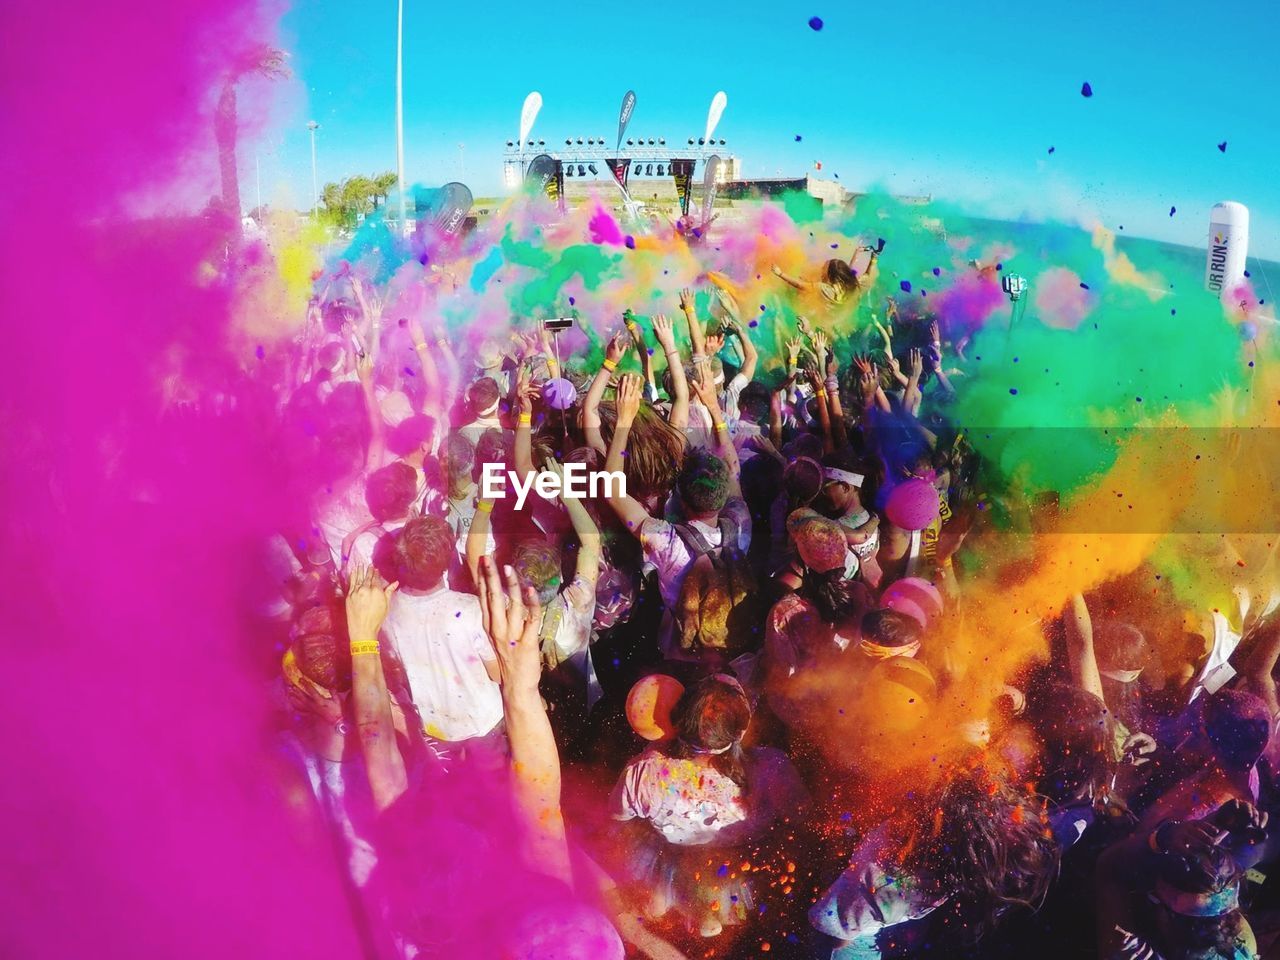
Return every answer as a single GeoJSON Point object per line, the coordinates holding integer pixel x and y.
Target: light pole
{"type": "Point", "coordinates": [315, 191]}
{"type": "Point", "coordinates": [400, 107]}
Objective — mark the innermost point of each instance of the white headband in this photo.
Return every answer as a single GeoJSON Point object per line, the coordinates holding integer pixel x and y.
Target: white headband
{"type": "Point", "coordinates": [843, 476]}
{"type": "Point", "coordinates": [489, 410]}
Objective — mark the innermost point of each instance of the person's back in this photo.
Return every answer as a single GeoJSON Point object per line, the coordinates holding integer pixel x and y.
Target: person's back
{"type": "Point", "coordinates": [440, 638]}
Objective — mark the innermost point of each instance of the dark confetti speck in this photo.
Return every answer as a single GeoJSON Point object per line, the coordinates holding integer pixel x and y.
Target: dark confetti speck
{"type": "Point", "coordinates": [1051, 149]}
{"type": "Point", "coordinates": [259, 352]}
{"type": "Point", "coordinates": [1246, 274]}
{"type": "Point", "coordinates": [1172, 211]}
{"type": "Point", "coordinates": [834, 246]}
{"type": "Point", "coordinates": [754, 323]}
{"type": "Point", "coordinates": [937, 271]}
{"type": "Point", "coordinates": [1084, 286]}
{"type": "Point", "coordinates": [762, 308]}
{"type": "Point", "coordinates": [1173, 313]}
{"type": "Point", "coordinates": [999, 266]}
{"type": "Point", "coordinates": [905, 286]}
{"type": "Point", "coordinates": [798, 138]}
{"type": "Point", "coordinates": [631, 242]}
{"type": "Point", "coordinates": [815, 23]}
{"type": "Point", "coordinates": [572, 301]}
{"type": "Point", "coordinates": [1086, 90]}
{"type": "Point", "coordinates": [1013, 391]}
{"type": "Point", "coordinates": [1222, 147]}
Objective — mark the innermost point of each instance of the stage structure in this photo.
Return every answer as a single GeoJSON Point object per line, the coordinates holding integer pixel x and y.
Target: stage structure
{"type": "Point", "coordinates": [639, 158]}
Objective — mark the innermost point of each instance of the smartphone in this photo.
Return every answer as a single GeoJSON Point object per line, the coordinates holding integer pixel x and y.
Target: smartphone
{"type": "Point", "coordinates": [557, 323]}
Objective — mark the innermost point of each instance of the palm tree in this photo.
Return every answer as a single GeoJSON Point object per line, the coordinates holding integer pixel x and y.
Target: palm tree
{"type": "Point", "coordinates": [264, 61]}
{"type": "Point", "coordinates": [358, 195]}
{"type": "Point", "coordinates": [384, 183]}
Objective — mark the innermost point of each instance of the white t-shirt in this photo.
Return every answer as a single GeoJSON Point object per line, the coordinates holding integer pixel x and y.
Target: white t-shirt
{"type": "Point", "coordinates": [441, 641]}
{"type": "Point", "coordinates": [690, 803]}
{"type": "Point", "coordinates": [666, 552]}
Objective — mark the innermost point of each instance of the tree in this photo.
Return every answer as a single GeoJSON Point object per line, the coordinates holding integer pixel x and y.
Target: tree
{"type": "Point", "coordinates": [263, 61]}
{"type": "Point", "coordinates": [384, 183]}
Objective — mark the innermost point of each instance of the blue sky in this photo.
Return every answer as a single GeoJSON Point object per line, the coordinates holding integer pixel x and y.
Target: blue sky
{"type": "Point", "coordinates": [957, 100]}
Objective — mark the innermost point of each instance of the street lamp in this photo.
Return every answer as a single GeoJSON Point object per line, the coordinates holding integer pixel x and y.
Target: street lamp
{"type": "Point", "coordinates": [400, 107]}
{"type": "Point", "coordinates": [315, 190]}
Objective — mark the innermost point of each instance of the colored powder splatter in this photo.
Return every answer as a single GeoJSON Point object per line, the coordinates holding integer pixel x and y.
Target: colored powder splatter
{"type": "Point", "coordinates": [1060, 299]}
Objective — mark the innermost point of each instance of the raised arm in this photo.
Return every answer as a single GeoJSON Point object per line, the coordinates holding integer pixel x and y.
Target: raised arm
{"type": "Point", "coordinates": [371, 309]}
{"type": "Point", "coordinates": [367, 602]}
{"type": "Point", "coordinates": [1258, 668]}
{"type": "Point", "coordinates": [478, 536]}
{"type": "Point", "coordinates": [690, 311]}
{"type": "Point", "coordinates": [750, 356]}
{"type": "Point", "coordinates": [512, 619]}
{"type": "Point", "coordinates": [912, 397]}
{"type": "Point", "coordinates": [824, 415]}
{"type": "Point", "coordinates": [522, 448]}
{"type": "Point", "coordinates": [666, 337]}
{"type": "Point", "coordinates": [839, 432]}
{"type": "Point", "coordinates": [790, 280]}
{"type": "Point", "coordinates": [614, 351]}
{"type": "Point", "coordinates": [377, 430]}
{"type": "Point", "coordinates": [587, 568]}
{"type": "Point", "coordinates": [629, 510]}
{"type": "Point", "coordinates": [432, 395]}
{"type": "Point", "coordinates": [642, 350]}
{"type": "Point", "coordinates": [1080, 654]}
{"type": "Point", "coordinates": [706, 389]}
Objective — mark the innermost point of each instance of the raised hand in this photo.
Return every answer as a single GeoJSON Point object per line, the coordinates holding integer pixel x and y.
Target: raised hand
{"type": "Point", "coordinates": [794, 345]}
{"type": "Point", "coordinates": [686, 300]}
{"type": "Point", "coordinates": [368, 599]}
{"type": "Point", "coordinates": [704, 386]}
{"type": "Point", "coordinates": [618, 346]}
{"type": "Point", "coordinates": [713, 343]}
{"type": "Point", "coordinates": [663, 331]}
{"type": "Point", "coordinates": [820, 343]}
{"type": "Point", "coordinates": [526, 392]}
{"type": "Point", "coordinates": [637, 335]}
{"type": "Point", "coordinates": [512, 618]}
{"type": "Point", "coordinates": [630, 390]}
{"type": "Point", "coordinates": [802, 324]}
{"type": "Point", "coordinates": [915, 363]}
{"type": "Point", "coordinates": [364, 368]}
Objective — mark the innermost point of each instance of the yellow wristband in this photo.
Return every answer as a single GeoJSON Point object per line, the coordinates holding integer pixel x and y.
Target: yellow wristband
{"type": "Point", "coordinates": [524, 420]}
{"type": "Point", "coordinates": [485, 506]}
{"type": "Point", "coordinates": [721, 425]}
{"type": "Point", "coordinates": [359, 647]}
{"type": "Point", "coordinates": [820, 393]}
{"type": "Point", "coordinates": [610, 365]}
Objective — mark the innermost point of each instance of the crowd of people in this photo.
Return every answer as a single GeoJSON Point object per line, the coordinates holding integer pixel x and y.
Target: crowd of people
{"type": "Point", "coordinates": [713, 699]}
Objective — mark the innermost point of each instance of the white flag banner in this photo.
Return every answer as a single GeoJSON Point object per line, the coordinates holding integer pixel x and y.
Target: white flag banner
{"type": "Point", "coordinates": [532, 104]}
{"type": "Point", "coordinates": [718, 103]}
